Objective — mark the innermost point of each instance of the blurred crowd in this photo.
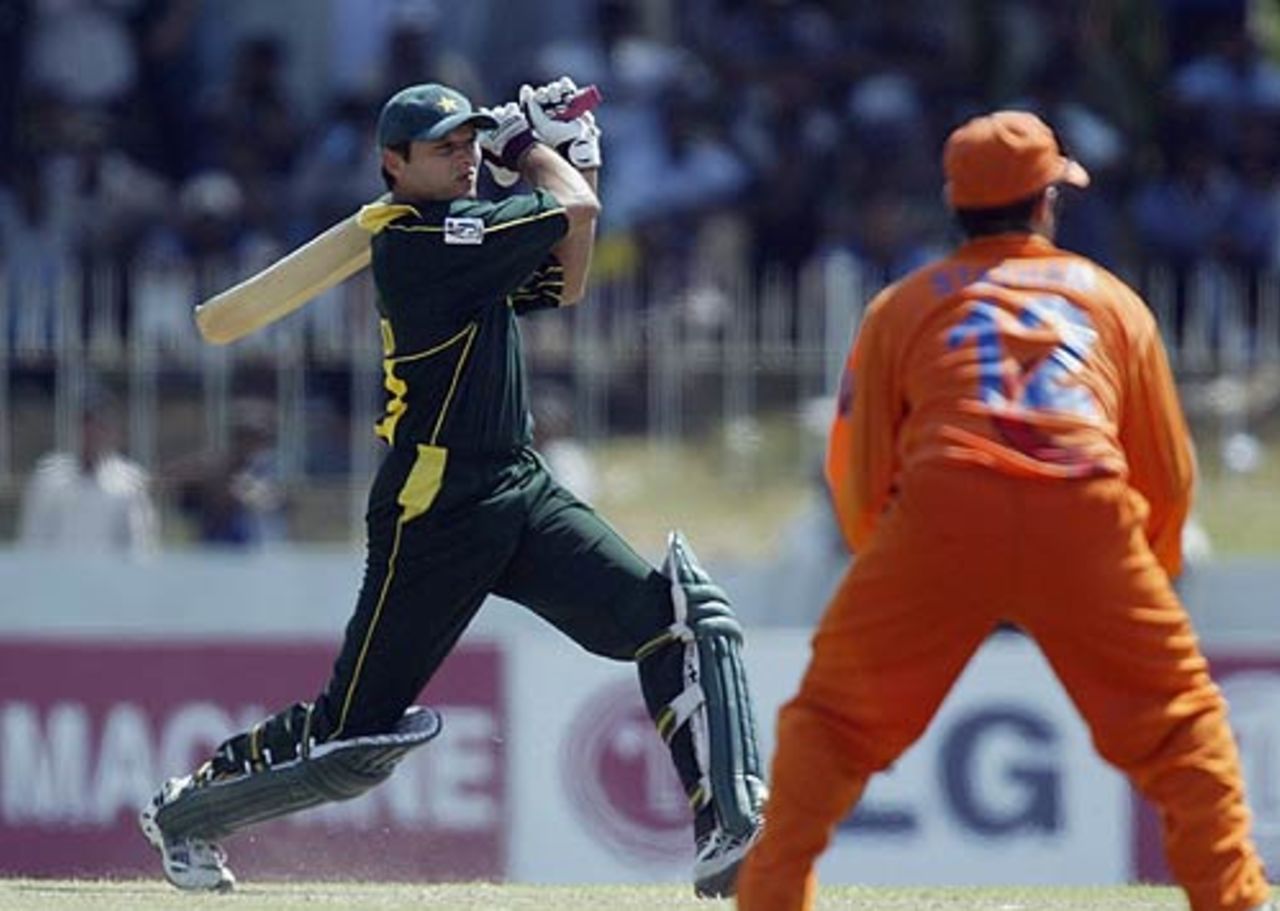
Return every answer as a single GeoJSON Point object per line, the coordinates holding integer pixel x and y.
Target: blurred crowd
{"type": "Point", "coordinates": [180, 142]}
{"type": "Point", "coordinates": [90, 497]}
{"type": "Point", "coordinates": [751, 134]}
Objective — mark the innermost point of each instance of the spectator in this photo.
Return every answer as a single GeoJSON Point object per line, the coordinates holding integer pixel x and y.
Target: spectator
{"type": "Point", "coordinates": [884, 233]}
{"type": "Point", "coordinates": [163, 128]}
{"type": "Point", "coordinates": [235, 498]}
{"type": "Point", "coordinates": [92, 499]}
{"type": "Point", "coordinates": [14, 25]}
{"type": "Point", "coordinates": [212, 228]}
{"type": "Point", "coordinates": [252, 132]}
{"type": "Point", "coordinates": [383, 45]}
{"type": "Point", "coordinates": [1252, 225]}
{"type": "Point", "coordinates": [789, 168]}
{"type": "Point", "coordinates": [665, 186]}
{"type": "Point", "coordinates": [1190, 25]}
{"type": "Point", "coordinates": [1232, 76]}
{"type": "Point", "coordinates": [116, 199]}
{"type": "Point", "coordinates": [414, 52]}
{"type": "Point", "coordinates": [203, 245]}
{"type": "Point", "coordinates": [1251, 231]}
{"type": "Point", "coordinates": [1180, 216]}
{"type": "Point", "coordinates": [81, 52]}
{"type": "Point", "coordinates": [37, 233]}
{"type": "Point", "coordinates": [614, 53]}
{"type": "Point", "coordinates": [667, 156]}
{"type": "Point", "coordinates": [337, 171]}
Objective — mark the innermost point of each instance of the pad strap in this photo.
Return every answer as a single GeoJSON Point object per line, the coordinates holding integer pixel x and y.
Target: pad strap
{"type": "Point", "coordinates": [679, 711]}
{"type": "Point", "coordinates": [696, 689]}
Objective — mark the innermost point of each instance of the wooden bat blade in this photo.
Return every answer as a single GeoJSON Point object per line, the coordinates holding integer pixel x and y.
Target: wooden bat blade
{"type": "Point", "coordinates": [284, 286]}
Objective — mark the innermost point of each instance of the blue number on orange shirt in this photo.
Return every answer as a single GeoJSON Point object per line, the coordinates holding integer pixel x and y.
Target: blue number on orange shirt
{"type": "Point", "coordinates": [1048, 385]}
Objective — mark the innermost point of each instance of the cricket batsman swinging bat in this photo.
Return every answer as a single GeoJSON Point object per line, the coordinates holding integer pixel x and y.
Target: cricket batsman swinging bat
{"type": "Point", "coordinates": [322, 262]}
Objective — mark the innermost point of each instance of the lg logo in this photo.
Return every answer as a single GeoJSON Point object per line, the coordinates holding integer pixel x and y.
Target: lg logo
{"type": "Point", "coordinates": [620, 780]}
{"type": "Point", "coordinates": [998, 774]}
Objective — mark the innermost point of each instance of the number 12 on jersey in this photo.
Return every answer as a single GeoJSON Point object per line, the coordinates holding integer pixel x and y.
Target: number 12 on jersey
{"type": "Point", "coordinates": [1046, 383]}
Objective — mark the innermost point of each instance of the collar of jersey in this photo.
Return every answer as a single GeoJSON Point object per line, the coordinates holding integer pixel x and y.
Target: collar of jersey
{"type": "Point", "coordinates": [375, 217]}
{"type": "Point", "coordinates": [1012, 242]}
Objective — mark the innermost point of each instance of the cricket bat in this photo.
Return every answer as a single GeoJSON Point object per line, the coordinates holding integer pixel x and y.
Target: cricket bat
{"type": "Point", "coordinates": [321, 263]}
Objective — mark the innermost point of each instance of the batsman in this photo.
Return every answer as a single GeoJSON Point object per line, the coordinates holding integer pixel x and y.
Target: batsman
{"type": "Point", "coordinates": [463, 507]}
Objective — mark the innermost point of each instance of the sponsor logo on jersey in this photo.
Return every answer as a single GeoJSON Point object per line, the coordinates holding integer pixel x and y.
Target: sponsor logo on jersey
{"type": "Point", "coordinates": [463, 231]}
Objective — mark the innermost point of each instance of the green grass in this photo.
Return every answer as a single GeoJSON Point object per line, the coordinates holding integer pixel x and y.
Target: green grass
{"type": "Point", "coordinates": [735, 493]}
{"type": "Point", "coordinates": [732, 494]}
{"type": "Point", "coordinates": [134, 895]}
{"type": "Point", "coordinates": [1241, 512]}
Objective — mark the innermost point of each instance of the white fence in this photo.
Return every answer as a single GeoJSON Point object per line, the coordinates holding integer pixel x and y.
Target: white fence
{"type": "Point", "coordinates": [640, 355]}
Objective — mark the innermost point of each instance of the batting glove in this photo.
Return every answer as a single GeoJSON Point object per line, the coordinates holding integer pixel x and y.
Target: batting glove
{"type": "Point", "coordinates": [503, 177]}
{"type": "Point", "coordinates": [578, 139]}
{"type": "Point", "coordinates": [503, 146]}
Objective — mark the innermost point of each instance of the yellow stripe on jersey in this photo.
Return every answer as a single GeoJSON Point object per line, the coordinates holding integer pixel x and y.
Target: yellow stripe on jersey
{"type": "Point", "coordinates": [375, 217]}
{"type": "Point", "coordinates": [396, 407]}
{"type": "Point", "coordinates": [524, 221]}
{"type": "Point", "coordinates": [543, 289]}
{"type": "Point", "coordinates": [488, 229]}
{"type": "Point", "coordinates": [420, 489]}
{"type": "Point", "coordinates": [385, 428]}
{"type": "Point", "coordinates": [453, 385]}
{"type": "Point", "coordinates": [388, 337]}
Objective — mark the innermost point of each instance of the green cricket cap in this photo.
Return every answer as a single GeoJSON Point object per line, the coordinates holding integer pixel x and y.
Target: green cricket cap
{"type": "Point", "coordinates": [428, 112]}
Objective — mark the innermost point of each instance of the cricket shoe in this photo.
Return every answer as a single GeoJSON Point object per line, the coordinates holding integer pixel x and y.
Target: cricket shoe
{"type": "Point", "coordinates": [715, 868]}
{"type": "Point", "coordinates": [191, 864]}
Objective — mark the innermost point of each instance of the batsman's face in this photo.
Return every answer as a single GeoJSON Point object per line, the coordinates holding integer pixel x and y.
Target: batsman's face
{"type": "Point", "coordinates": [444, 169]}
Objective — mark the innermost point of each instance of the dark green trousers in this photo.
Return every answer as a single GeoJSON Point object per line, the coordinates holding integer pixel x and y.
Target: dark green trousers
{"type": "Point", "coordinates": [443, 533]}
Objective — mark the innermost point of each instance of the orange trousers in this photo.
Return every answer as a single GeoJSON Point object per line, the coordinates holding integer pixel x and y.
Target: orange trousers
{"type": "Point", "coordinates": [959, 551]}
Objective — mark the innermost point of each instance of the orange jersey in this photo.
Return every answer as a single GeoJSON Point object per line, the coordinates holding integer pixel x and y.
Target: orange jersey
{"type": "Point", "coordinates": [1019, 357]}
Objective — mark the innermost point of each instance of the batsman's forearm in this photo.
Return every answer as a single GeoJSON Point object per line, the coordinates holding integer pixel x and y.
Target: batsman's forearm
{"type": "Point", "coordinates": [574, 252]}
{"type": "Point", "coordinates": [578, 248]}
{"type": "Point", "coordinates": [545, 169]}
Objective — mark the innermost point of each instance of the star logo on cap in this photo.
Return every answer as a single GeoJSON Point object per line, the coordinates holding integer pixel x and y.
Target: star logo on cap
{"type": "Point", "coordinates": [447, 105]}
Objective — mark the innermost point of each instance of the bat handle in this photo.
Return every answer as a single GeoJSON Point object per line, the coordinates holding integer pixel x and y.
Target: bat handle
{"type": "Point", "coordinates": [587, 98]}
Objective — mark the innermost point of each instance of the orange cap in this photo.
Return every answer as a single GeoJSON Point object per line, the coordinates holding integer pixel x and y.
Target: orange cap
{"type": "Point", "coordinates": [1004, 157]}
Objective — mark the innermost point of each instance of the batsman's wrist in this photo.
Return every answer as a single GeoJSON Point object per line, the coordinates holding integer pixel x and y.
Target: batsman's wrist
{"type": "Point", "coordinates": [516, 148]}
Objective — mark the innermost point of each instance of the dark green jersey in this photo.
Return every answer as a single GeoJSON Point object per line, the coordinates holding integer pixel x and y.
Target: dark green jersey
{"type": "Point", "coordinates": [451, 276]}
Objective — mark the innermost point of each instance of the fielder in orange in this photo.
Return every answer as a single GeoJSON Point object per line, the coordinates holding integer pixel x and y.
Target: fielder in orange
{"type": "Point", "coordinates": [1009, 447]}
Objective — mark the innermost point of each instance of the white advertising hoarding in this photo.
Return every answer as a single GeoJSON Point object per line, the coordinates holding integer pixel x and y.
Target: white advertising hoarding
{"type": "Point", "coordinates": [1003, 788]}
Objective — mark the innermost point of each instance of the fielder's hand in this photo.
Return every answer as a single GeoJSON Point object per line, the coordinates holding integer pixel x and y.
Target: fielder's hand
{"type": "Point", "coordinates": [578, 139]}
{"type": "Point", "coordinates": [504, 145]}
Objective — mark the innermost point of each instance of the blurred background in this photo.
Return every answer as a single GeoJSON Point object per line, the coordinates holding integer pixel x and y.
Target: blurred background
{"type": "Point", "coordinates": [769, 164]}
